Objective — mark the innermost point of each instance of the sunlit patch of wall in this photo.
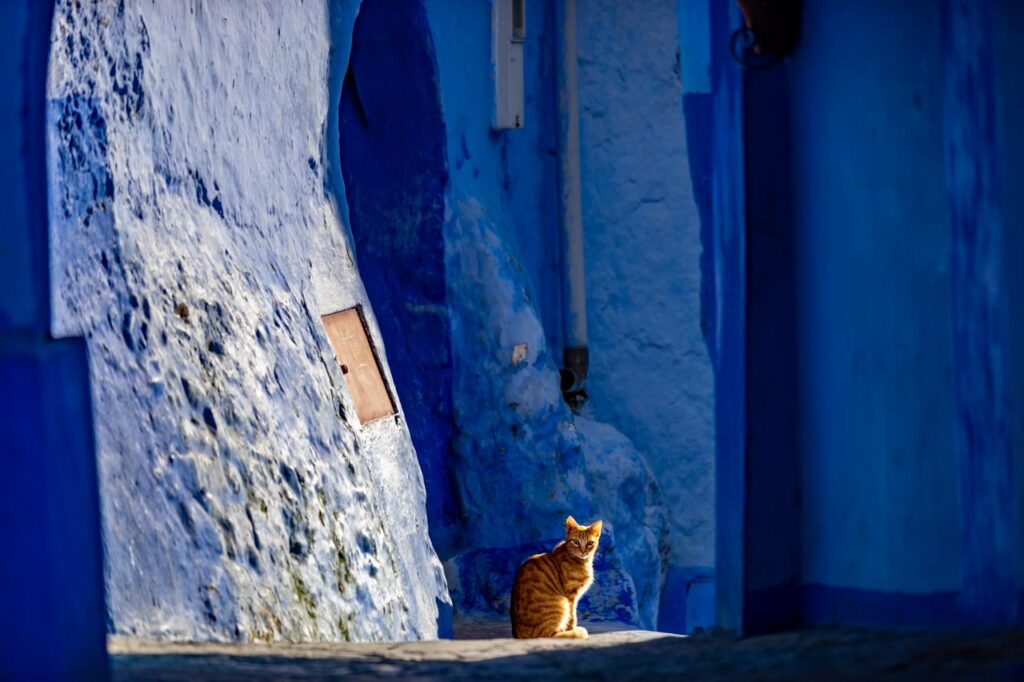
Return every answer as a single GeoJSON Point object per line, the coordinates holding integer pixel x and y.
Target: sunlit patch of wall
{"type": "Point", "coordinates": [197, 239]}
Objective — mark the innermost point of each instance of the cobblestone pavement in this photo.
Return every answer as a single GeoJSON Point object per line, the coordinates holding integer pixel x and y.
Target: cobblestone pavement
{"type": "Point", "coordinates": [820, 654]}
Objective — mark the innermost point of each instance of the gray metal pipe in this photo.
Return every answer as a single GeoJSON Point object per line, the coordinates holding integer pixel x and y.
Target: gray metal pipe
{"type": "Point", "coordinates": [575, 355]}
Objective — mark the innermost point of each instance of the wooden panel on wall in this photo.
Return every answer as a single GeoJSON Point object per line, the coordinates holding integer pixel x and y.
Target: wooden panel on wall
{"type": "Point", "coordinates": [358, 359]}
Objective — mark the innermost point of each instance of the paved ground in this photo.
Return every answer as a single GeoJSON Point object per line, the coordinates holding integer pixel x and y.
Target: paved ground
{"type": "Point", "coordinates": [821, 654]}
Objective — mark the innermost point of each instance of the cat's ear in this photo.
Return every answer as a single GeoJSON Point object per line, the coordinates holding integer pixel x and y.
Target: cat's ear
{"type": "Point", "coordinates": [595, 527]}
{"type": "Point", "coordinates": [570, 523]}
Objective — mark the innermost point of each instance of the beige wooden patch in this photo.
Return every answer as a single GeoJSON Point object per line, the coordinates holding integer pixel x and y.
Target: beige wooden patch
{"type": "Point", "coordinates": [347, 332]}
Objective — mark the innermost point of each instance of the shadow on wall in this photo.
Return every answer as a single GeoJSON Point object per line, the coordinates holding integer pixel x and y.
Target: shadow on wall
{"type": "Point", "coordinates": [49, 512]}
{"type": "Point", "coordinates": [393, 158]}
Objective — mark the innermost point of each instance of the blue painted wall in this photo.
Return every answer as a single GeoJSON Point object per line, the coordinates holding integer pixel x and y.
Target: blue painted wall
{"type": "Point", "coordinates": [51, 581]}
{"type": "Point", "coordinates": [874, 484]}
{"type": "Point", "coordinates": [713, 110]}
{"type": "Point", "coordinates": [393, 157]}
{"type": "Point", "coordinates": [772, 514]}
{"type": "Point", "coordinates": [980, 313]}
{"type": "Point", "coordinates": [513, 174]}
{"type": "Point", "coordinates": [651, 376]}
{"type": "Point", "coordinates": [650, 373]}
{"type": "Point", "coordinates": [1009, 18]}
{"type": "Point", "coordinates": [878, 471]}
{"type": "Point", "coordinates": [25, 306]}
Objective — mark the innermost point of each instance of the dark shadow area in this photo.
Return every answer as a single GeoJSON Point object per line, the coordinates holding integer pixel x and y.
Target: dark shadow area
{"type": "Point", "coordinates": [822, 654]}
{"type": "Point", "coordinates": [51, 575]}
{"type": "Point", "coordinates": [393, 159]}
{"type": "Point", "coordinates": [772, 514]}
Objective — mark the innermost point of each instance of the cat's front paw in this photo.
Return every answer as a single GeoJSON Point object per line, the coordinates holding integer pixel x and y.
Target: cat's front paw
{"type": "Point", "coordinates": [581, 632]}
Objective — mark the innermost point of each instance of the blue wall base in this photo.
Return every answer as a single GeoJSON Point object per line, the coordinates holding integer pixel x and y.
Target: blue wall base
{"type": "Point", "coordinates": [687, 599]}
{"type": "Point", "coordinates": [773, 609]}
{"type": "Point", "coordinates": [51, 576]}
{"type": "Point", "coordinates": [792, 606]}
{"type": "Point", "coordinates": [824, 604]}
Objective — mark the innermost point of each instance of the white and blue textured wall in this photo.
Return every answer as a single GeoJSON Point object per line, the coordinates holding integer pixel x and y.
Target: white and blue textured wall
{"type": "Point", "coordinates": [220, 178]}
{"type": "Point", "coordinates": [523, 461]}
{"type": "Point", "coordinates": [197, 238]}
{"type": "Point", "coordinates": [650, 374]}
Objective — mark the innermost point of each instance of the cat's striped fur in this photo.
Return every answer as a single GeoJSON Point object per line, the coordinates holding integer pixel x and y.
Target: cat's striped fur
{"type": "Point", "coordinates": [548, 586]}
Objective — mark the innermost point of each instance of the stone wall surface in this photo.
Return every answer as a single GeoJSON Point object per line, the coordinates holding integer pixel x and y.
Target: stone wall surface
{"type": "Point", "coordinates": [524, 460]}
{"type": "Point", "coordinates": [197, 238]}
{"type": "Point", "coordinates": [650, 373]}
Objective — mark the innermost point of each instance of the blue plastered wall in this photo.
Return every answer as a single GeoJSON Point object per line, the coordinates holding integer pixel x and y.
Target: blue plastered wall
{"type": "Point", "coordinates": [513, 174]}
{"type": "Point", "coordinates": [650, 373]}
{"type": "Point", "coordinates": [511, 177]}
{"type": "Point", "coordinates": [1009, 17]}
{"type": "Point", "coordinates": [712, 106]}
{"type": "Point", "coordinates": [845, 490]}
{"type": "Point", "coordinates": [393, 158]}
{"type": "Point", "coordinates": [772, 510]}
{"type": "Point", "coordinates": [882, 154]}
{"type": "Point", "coordinates": [51, 580]}
{"type": "Point", "coordinates": [875, 381]}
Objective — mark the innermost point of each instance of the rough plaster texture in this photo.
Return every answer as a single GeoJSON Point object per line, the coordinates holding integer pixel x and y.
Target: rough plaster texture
{"type": "Point", "coordinates": [196, 241]}
{"type": "Point", "coordinates": [650, 374]}
{"type": "Point", "coordinates": [524, 461]}
{"type": "Point", "coordinates": [513, 173]}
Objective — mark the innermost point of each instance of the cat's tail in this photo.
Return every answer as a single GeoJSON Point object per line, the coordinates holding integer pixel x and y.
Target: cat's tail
{"type": "Point", "coordinates": [575, 633]}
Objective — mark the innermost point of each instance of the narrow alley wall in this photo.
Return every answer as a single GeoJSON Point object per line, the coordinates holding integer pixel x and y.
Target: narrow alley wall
{"type": "Point", "coordinates": [882, 322]}
{"type": "Point", "coordinates": [197, 238]}
{"type": "Point", "coordinates": [522, 460]}
{"type": "Point", "coordinates": [880, 509]}
{"type": "Point", "coordinates": [394, 162]}
{"type": "Point", "coordinates": [1009, 17]}
{"type": "Point", "coordinates": [649, 427]}
{"type": "Point", "coordinates": [650, 374]}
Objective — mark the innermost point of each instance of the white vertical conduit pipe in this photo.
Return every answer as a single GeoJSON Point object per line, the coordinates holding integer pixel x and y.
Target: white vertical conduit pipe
{"type": "Point", "coordinates": [575, 355]}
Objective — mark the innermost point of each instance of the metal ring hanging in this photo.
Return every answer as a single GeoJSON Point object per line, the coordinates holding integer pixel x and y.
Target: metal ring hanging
{"type": "Point", "coordinates": [738, 52]}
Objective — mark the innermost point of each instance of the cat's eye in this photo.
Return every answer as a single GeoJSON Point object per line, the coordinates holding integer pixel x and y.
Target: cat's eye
{"type": "Point", "coordinates": [590, 544]}
{"type": "Point", "coordinates": [576, 542]}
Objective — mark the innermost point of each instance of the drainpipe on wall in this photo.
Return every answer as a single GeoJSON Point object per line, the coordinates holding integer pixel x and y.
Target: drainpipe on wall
{"type": "Point", "coordinates": [575, 356]}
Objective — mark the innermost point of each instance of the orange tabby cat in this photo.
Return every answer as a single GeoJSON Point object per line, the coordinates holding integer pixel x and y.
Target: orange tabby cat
{"type": "Point", "coordinates": [548, 586]}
